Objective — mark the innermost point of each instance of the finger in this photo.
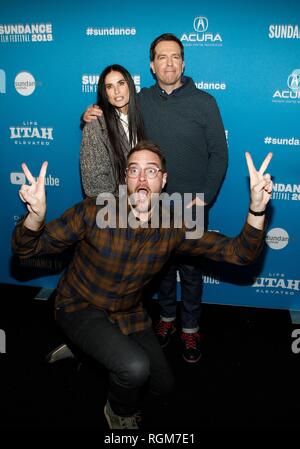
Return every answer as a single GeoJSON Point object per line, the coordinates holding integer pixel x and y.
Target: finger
{"type": "Point", "coordinates": [28, 198]}
{"type": "Point", "coordinates": [261, 185]}
{"type": "Point", "coordinates": [43, 170]}
{"type": "Point", "coordinates": [23, 190]}
{"type": "Point", "coordinates": [86, 117]}
{"type": "Point", "coordinates": [251, 167]}
{"type": "Point", "coordinates": [265, 163]}
{"type": "Point", "coordinates": [41, 178]}
{"type": "Point", "coordinates": [42, 175]}
{"type": "Point", "coordinates": [190, 204]}
{"type": "Point", "coordinates": [269, 187]}
{"type": "Point", "coordinates": [27, 173]}
{"type": "Point", "coordinates": [22, 196]}
{"type": "Point", "coordinates": [96, 111]}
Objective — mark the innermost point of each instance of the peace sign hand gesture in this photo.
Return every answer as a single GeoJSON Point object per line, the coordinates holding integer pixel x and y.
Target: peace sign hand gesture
{"type": "Point", "coordinates": [260, 183]}
{"type": "Point", "coordinates": [34, 197]}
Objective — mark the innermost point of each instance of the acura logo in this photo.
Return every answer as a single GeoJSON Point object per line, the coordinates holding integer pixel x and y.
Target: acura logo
{"type": "Point", "coordinates": [293, 81]}
{"type": "Point", "coordinates": [200, 24]}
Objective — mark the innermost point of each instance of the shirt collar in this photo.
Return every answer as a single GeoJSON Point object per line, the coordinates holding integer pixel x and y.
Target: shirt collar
{"type": "Point", "coordinates": [184, 82]}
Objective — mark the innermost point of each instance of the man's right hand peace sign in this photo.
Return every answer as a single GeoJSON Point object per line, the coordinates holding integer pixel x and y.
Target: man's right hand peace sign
{"type": "Point", "coordinates": [34, 197]}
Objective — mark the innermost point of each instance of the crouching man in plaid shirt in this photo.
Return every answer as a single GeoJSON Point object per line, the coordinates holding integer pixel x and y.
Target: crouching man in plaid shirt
{"type": "Point", "coordinates": [99, 296]}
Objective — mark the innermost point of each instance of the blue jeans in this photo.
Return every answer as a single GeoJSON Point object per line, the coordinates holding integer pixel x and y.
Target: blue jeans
{"type": "Point", "coordinates": [191, 292]}
{"type": "Point", "coordinates": [191, 283]}
{"type": "Point", "coordinates": [133, 361]}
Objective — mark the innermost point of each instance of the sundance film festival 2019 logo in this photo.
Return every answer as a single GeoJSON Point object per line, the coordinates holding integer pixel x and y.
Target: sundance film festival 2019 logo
{"type": "Point", "coordinates": [284, 32]}
{"type": "Point", "coordinates": [201, 36]}
{"type": "Point", "coordinates": [286, 192]}
{"type": "Point", "coordinates": [29, 133]}
{"type": "Point", "coordinates": [89, 83]}
{"type": "Point", "coordinates": [293, 94]}
{"type": "Point", "coordinates": [276, 284]}
{"type": "Point", "coordinates": [35, 32]}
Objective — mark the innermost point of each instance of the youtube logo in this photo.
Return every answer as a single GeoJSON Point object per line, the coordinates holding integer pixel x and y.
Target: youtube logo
{"type": "Point", "coordinates": [17, 178]}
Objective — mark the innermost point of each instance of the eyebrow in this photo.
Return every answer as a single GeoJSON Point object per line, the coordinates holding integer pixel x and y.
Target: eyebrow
{"type": "Point", "coordinates": [172, 54]}
{"type": "Point", "coordinates": [121, 79]}
{"type": "Point", "coordinates": [147, 163]}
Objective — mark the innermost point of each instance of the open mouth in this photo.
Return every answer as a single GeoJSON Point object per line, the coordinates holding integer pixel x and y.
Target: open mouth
{"type": "Point", "coordinates": [142, 193]}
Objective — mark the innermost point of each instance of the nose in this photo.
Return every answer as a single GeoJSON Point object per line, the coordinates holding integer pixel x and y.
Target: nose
{"type": "Point", "coordinates": [170, 60]}
{"type": "Point", "coordinates": [117, 90]}
{"type": "Point", "coordinates": [142, 176]}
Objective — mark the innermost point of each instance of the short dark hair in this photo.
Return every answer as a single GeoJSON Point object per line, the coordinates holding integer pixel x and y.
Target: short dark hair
{"type": "Point", "coordinates": [165, 37]}
{"type": "Point", "coordinates": [149, 146]}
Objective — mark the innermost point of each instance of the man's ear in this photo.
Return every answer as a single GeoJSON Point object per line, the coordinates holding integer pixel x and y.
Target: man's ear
{"type": "Point", "coordinates": [164, 179]}
{"type": "Point", "coordinates": [152, 67]}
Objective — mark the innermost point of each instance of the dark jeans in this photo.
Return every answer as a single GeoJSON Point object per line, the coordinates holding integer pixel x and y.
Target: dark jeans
{"type": "Point", "coordinates": [133, 361]}
{"type": "Point", "coordinates": [191, 286]}
{"type": "Point", "coordinates": [191, 291]}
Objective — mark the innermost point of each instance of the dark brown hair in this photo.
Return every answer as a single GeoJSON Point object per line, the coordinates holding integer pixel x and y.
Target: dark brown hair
{"type": "Point", "coordinates": [165, 37]}
{"type": "Point", "coordinates": [149, 146]}
{"type": "Point", "coordinates": [135, 121]}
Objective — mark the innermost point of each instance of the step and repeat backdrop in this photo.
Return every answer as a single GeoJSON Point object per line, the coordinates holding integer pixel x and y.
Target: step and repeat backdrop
{"type": "Point", "coordinates": [245, 54]}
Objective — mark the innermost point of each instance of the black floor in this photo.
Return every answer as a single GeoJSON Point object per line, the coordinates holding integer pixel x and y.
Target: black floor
{"type": "Point", "coordinates": [248, 377]}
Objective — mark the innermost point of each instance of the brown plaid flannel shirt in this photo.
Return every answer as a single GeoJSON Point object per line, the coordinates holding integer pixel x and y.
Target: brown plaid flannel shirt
{"type": "Point", "coordinates": [110, 267]}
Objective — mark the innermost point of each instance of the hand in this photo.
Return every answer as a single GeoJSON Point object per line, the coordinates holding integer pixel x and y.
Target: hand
{"type": "Point", "coordinates": [34, 197]}
{"type": "Point", "coordinates": [92, 113]}
{"type": "Point", "coordinates": [260, 183]}
{"type": "Point", "coordinates": [197, 201]}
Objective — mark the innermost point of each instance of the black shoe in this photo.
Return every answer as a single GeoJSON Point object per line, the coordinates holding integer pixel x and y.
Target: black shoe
{"type": "Point", "coordinates": [164, 330]}
{"type": "Point", "coordinates": [191, 347]}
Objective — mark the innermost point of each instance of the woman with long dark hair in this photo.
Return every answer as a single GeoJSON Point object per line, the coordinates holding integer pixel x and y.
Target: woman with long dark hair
{"type": "Point", "coordinates": [107, 140]}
